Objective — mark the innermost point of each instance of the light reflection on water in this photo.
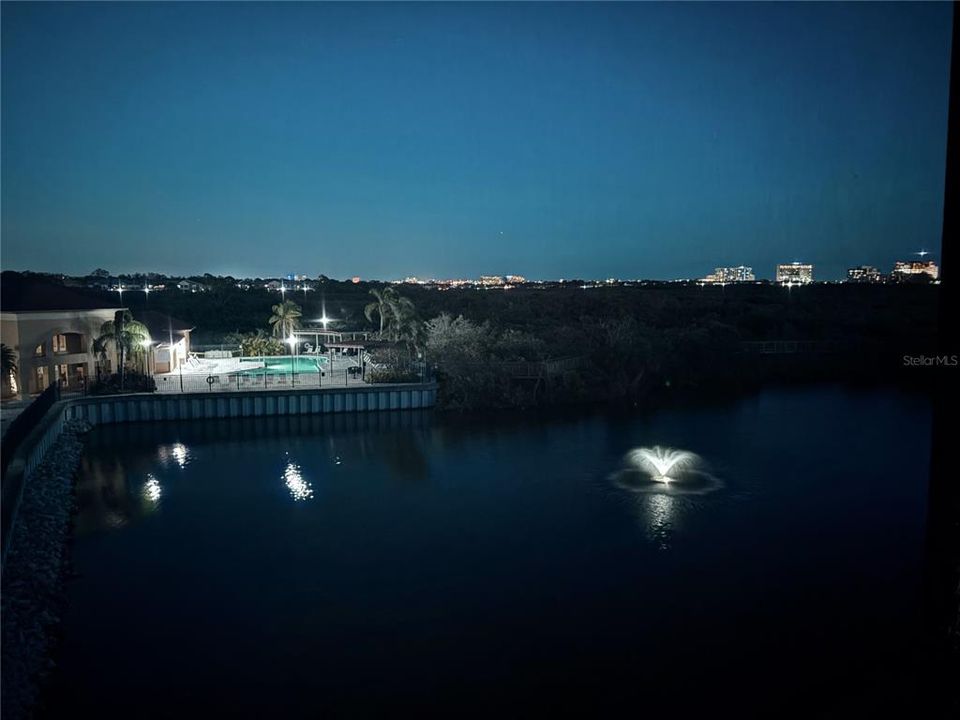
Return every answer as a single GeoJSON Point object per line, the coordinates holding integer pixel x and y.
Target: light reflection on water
{"type": "Point", "coordinates": [659, 514]}
{"type": "Point", "coordinates": [152, 491]}
{"type": "Point", "coordinates": [177, 453]}
{"type": "Point", "coordinates": [299, 487]}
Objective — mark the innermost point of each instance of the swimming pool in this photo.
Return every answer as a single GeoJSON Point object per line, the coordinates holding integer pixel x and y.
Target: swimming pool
{"type": "Point", "coordinates": [285, 365]}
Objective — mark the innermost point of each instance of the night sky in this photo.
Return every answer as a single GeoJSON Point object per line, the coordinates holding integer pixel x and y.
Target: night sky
{"type": "Point", "coordinates": [450, 140]}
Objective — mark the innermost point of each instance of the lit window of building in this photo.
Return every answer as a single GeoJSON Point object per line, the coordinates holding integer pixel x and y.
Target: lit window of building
{"type": "Point", "coordinates": [795, 273]}
{"type": "Point", "coordinates": [864, 273]}
{"type": "Point", "coordinates": [915, 269]}
{"type": "Point", "coordinates": [740, 273]}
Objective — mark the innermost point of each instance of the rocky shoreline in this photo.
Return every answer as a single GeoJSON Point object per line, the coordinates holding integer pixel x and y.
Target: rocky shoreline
{"type": "Point", "coordinates": [33, 585]}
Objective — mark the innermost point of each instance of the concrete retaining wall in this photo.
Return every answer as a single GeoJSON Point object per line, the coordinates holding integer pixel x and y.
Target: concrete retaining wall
{"type": "Point", "coordinates": [263, 403]}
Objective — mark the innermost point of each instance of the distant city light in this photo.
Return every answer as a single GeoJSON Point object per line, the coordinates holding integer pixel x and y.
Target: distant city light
{"type": "Point", "coordinates": [724, 275]}
{"type": "Point", "coordinates": [795, 273]}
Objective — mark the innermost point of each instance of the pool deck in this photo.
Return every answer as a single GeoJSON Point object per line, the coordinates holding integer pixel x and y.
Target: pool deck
{"type": "Point", "coordinates": [251, 374]}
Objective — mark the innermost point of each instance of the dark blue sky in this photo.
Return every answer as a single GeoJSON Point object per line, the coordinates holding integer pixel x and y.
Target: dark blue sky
{"type": "Point", "coordinates": [446, 140]}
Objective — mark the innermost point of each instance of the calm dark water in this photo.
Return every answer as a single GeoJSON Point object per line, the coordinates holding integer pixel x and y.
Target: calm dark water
{"type": "Point", "coordinates": [393, 563]}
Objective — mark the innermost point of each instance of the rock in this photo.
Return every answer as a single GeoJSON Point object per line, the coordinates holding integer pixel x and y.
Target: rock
{"type": "Point", "coordinates": [33, 592]}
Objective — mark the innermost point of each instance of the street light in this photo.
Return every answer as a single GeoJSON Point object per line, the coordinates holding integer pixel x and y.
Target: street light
{"type": "Point", "coordinates": [146, 350]}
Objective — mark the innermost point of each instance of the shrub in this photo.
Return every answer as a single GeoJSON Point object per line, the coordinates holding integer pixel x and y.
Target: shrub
{"type": "Point", "coordinates": [132, 383]}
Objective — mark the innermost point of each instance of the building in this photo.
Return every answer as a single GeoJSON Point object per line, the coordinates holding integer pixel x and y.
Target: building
{"type": "Point", "coordinates": [741, 273]}
{"type": "Point", "coordinates": [864, 274]}
{"type": "Point", "coordinates": [795, 273]}
{"type": "Point", "coordinates": [170, 341]}
{"type": "Point", "coordinates": [914, 270]}
{"type": "Point", "coordinates": [516, 279]}
{"type": "Point", "coordinates": [491, 280]}
{"type": "Point", "coordinates": [186, 285]}
{"type": "Point", "coordinates": [51, 328]}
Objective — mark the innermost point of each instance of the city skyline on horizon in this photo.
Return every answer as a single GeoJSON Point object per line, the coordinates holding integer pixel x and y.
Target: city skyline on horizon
{"type": "Point", "coordinates": [917, 256]}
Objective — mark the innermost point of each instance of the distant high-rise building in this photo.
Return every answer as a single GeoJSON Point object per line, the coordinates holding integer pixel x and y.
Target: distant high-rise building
{"type": "Point", "coordinates": [795, 273]}
{"type": "Point", "coordinates": [516, 279]}
{"type": "Point", "coordinates": [915, 269]}
{"type": "Point", "coordinates": [864, 274]}
{"type": "Point", "coordinates": [491, 280]}
{"type": "Point", "coordinates": [741, 273]}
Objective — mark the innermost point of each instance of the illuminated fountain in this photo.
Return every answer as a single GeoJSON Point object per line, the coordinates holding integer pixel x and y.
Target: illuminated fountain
{"type": "Point", "coordinates": [665, 471]}
{"type": "Point", "coordinates": [657, 477]}
{"type": "Point", "coordinates": [661, 462]}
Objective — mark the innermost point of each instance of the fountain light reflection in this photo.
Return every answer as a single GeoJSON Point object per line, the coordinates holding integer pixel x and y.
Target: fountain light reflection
{"type": "Point", "coordinates": [660, 511]}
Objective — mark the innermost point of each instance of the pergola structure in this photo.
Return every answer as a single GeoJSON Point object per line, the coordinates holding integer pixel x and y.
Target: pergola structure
{"type": "Point", "coordinates": [343, 342]}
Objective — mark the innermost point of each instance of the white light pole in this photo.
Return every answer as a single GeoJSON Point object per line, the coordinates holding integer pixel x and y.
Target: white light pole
{"type": "Point", "coordinates": [146, 349]}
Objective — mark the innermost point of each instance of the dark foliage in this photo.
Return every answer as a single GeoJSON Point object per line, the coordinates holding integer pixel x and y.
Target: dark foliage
{"type": "Point", "coordinates": [636, 341]}
{"type": "Point", "coordinates": [132, 383]}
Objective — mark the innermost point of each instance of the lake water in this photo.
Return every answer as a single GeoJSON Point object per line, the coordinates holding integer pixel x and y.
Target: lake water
{"type": "Point", "coordinates": [391, 563]}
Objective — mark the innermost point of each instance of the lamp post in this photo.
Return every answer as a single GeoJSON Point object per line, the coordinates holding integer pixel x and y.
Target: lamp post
{"type": "Point", "coordinates": [146, 361]}
{"type": "Point", "coordinates": [292, 341]}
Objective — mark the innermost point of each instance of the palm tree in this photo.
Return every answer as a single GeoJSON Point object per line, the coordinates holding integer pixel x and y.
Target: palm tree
{"type": "Point", "coordinates": [259, 343]}
{"type": "Point", "coordinates": [9, 365]}
{"type": "Point", "coordinates": [404, 323]}
{"type": "Point", "coordinates": [285, 319]}
{"type": "Point", "coordinates": [127, 336]}
{"type": "Point", "coordinates": [382, 306]}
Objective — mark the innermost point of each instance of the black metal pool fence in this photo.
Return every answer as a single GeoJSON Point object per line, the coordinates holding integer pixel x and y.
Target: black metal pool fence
{"type": "Point", "coordinates": [272, 379]}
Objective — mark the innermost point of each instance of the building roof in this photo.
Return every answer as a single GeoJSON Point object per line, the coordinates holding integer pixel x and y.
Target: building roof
{"type": "Point", "coordinates": [161, 325]}
{"type": "Point", "coordinates": [26, 293]}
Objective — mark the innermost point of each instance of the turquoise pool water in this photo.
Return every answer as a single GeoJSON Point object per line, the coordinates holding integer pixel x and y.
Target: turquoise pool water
{"type": "Point", "coordinates": [278, 366]}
